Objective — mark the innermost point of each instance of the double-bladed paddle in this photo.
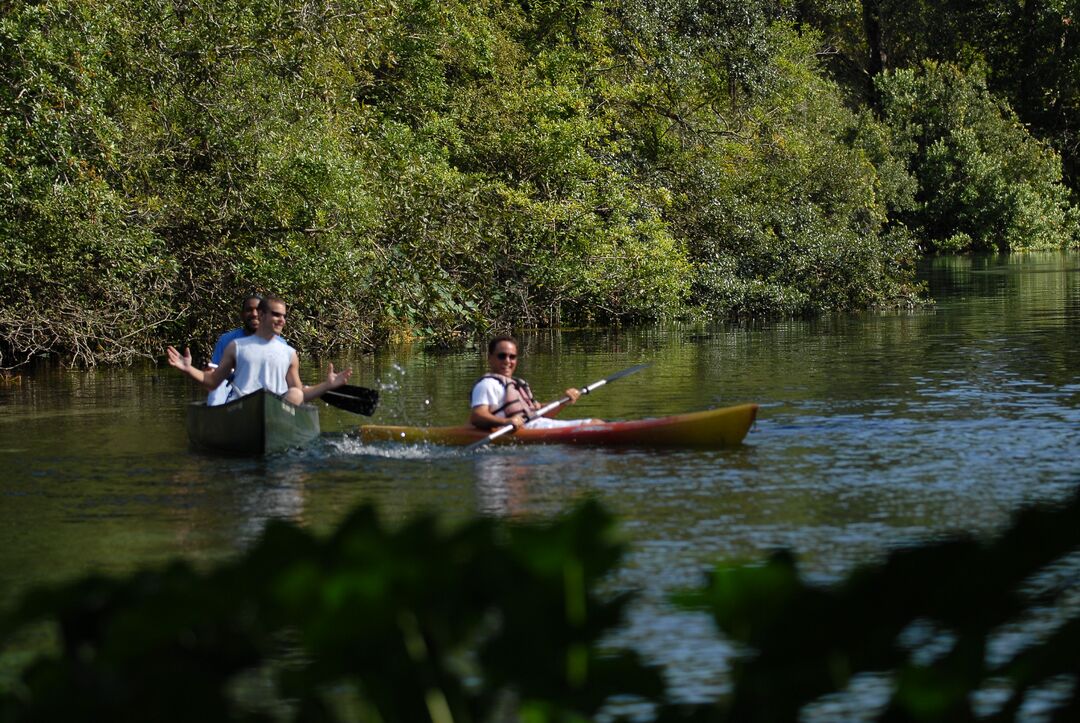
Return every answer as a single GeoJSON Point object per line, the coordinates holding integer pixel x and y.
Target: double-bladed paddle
{"type": "Point", "coordinates": [358, 400]}
{"type": "Point", "coordinates": [549, 407]}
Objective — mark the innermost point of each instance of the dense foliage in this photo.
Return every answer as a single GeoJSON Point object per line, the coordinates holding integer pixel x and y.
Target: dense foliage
{"type": "Point", "coordinates": [983, 183]}
{"type": "Point", "coordinates": [437, 170]}
{"type": "Point", "coordinates": [504, 621]}
{"type": "Point", "coordinates": [1028, 50]}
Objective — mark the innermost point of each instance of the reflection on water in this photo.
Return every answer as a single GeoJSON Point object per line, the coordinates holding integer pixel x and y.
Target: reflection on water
{"type": "Point", "coordinates": [255, 492]}
{"type": "Point", "coordinates": [502, 483]}
{"type": "Point", "coordinates": [875, 430]}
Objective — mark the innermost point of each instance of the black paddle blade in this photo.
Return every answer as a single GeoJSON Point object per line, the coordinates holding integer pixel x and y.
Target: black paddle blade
{"type": "Point", "coordinates": [358, 400]}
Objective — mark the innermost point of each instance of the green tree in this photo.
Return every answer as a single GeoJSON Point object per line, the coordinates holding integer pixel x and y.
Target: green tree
{"type": "Point", "coordinates": [780, 212]}
{"type": "Point", "coordinates": [426, 170]}
{"type": "Point", "coordinates": [78, 272]}
{"type": "Point", "coordinates": [1029, 52]}
{"type": "Point", "coordinates": [983, 181]}
{"type": "Point", "coordinates": [1034, 60]}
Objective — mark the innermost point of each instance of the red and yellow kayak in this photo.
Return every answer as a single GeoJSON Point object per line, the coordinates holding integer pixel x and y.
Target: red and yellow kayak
{"type": "Point", "coordinates": [712, 428]}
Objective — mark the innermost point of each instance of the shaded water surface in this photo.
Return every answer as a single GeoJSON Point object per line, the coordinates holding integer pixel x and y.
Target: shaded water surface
{"type": "Point", "coordinates": [875, 430]}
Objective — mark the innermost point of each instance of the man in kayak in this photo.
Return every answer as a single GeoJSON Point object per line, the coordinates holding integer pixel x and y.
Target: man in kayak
{"type": "Point", "coordinates": [249, 322]}
{"type": "Point", "coordinates": [261, 360]}
{"type": "Point", "coordinates": [499, 398]}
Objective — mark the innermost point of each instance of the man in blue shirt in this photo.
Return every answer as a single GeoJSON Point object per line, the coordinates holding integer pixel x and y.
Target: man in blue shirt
{"type": "Point", "coordinates": [249, 324]}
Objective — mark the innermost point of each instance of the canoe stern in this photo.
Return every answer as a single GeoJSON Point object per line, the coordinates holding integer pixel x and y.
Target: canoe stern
{"type": "Point", "coordinates": [258, 423]}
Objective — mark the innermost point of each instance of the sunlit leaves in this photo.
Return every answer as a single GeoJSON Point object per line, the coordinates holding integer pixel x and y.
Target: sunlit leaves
{"type": "Point", "coordinates": [984, 183]}
{"type": "Point", "coordinates": [779, 214]}
{"type": "Point", "coordinates": [419, 169]}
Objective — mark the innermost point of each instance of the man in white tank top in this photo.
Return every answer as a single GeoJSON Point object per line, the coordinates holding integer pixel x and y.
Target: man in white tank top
{"type": "Point", "coordinates": [261, 361]}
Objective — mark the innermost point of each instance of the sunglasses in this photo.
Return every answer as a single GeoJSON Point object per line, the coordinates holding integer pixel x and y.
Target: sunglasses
{"type": "Point", "coordinates": [503, 356]}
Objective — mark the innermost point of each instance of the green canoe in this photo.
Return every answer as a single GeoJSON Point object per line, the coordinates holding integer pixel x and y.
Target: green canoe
{"type": "Point", "coordinates": [259, 423]}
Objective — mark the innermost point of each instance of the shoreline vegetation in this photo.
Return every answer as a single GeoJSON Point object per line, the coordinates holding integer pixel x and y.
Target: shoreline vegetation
{"type": "Point", "coordinates": [422, 622]}
{"type": "Point", "coordinates": [437, 171]}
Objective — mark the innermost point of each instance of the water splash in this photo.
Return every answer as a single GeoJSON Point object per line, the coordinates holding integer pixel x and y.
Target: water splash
{"type": "Point", "coordinates": [352, 446]}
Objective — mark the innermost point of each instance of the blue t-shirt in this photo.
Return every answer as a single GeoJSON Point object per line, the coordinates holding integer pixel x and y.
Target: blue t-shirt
{"type": "Point", "coordinates": [221, 393]}
{"type": "Point", "coordinates": [222, 342]}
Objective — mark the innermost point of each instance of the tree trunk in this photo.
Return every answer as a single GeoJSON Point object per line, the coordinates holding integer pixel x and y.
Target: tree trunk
{"type": "Point", "coordinates": [876, 58]}
{"type": "Point", "coordinates": [871, 12]}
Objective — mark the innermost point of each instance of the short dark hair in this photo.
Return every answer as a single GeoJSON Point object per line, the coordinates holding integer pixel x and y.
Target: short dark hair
{"type": "Point", "coordinates": [265, 302]}
{"type": "Point", "coordinates": [249, 297]}
{"type": "Point", "coordinates": [497, 340]}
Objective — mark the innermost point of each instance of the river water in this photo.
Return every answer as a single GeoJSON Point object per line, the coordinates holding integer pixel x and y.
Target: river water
{"type": "Point", "coordinates": [875, 430]}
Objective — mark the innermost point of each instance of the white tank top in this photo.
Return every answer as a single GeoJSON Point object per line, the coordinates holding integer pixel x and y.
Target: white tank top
{"type": "Point", "coordinates": [261, 364]}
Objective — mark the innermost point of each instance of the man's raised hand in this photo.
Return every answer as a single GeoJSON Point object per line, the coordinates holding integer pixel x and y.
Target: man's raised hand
{"type": "Point", "coordinates": [183, 363]}
{"type": "Point", "coordinates": [336, 380]}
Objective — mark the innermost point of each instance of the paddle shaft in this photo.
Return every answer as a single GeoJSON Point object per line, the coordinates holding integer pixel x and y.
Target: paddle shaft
{"type": "Point", "coordinates": [332, 393]}
{"type": "Point", "coordinates": [553, 405]}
